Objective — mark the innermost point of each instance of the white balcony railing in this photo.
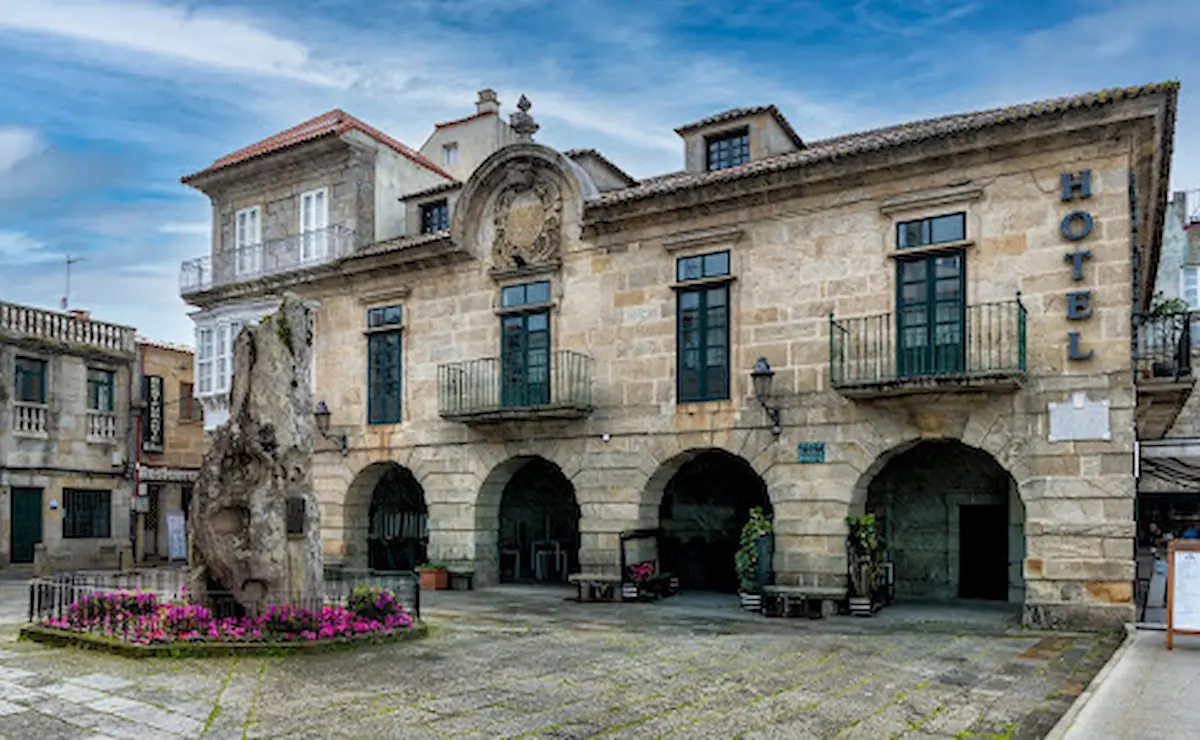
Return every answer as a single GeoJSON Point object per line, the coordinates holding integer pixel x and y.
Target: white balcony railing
{"type": "Point", "coordinates": [270, 257]}
{"type": "Point", "coordinates": [29, 419]}
{"type": "Point", "coordinates": [101, 426]}
{"type": "Point", "coordinates": [72, 329]}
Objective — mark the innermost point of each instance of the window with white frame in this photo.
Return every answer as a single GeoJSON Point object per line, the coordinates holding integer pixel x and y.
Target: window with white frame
{"type": "Point", "coordinates": [204, 360]}
{"type": "Point", "coordinates": [314, 220]}
{"type": "Point", "coordinates": [450, 154]}
{"type": "Point", "coordinates": [247, 241]}
{"type": "Point", "coordinates": [1188, 285]}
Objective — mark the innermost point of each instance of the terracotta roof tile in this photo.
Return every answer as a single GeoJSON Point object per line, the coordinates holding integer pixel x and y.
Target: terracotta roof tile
{"type": "Point", "coordinates": [442, 187]}
{"type": "Point", "coordinates": [881, 138]}
{"type": "Point", "coordinates": [399, 243]}
{"type": "Point", "coordinates": [734, 114]}
{"type": "Point", "coordinates": [333, 123]}
{"type": "Point", "coordinates": [163, 344]}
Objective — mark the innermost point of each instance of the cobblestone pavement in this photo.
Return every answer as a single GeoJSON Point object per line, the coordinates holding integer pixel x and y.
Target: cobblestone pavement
{"type": "Point", "coordinates": [564, 670]}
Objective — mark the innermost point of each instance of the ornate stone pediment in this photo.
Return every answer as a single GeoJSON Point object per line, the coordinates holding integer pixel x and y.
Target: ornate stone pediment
{"type": "Point", "coordinates": [527, 216]}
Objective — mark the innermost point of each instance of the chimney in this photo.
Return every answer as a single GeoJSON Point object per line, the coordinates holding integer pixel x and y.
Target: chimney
{"type": "Point", "coordinates": [488, 102]}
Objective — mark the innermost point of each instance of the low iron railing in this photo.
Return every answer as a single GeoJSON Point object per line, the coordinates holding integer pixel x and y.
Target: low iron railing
{"type": "Point", "coordinates": [269, 257]}
{"type": "Point", "coordinates": [1163, 348]}
{"type": "Point", "coordinates": [484, 386]}
{"type": "Point", "coordinates": [985, 340]}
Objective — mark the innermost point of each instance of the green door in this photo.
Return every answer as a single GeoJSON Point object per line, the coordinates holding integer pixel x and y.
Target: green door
{"type": "Point", "coordinates": [930, 310]}
{"type": "Point", "coordinates": [525, 360]}
{"type": "Point", "coordinates": [26, 523]}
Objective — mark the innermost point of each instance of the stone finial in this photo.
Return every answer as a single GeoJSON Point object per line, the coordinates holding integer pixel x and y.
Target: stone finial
{"type": "Point", "coordinates": [522, 123]}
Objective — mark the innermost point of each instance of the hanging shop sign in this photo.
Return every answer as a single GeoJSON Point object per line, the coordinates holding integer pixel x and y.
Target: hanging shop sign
{"type": "Point", "coordinates": [1075, 227]}
{"type": "Point", "coordinates": [152, 427]}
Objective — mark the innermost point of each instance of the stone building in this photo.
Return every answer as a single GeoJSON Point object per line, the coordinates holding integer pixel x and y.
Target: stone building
{"type": "Point", "coordinates": [932, 322]}
{"type": "Point", "coordinates": [171, 445]}
{"type": "Point", "coordinates": [65, 439]}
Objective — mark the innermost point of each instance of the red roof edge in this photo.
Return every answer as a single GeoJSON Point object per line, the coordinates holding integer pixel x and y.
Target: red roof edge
{"type": "Point", "coordinates": [467, 119]}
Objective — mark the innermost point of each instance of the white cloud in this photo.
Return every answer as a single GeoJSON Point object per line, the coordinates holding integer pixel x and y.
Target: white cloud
{"type": "Point", "coordinates": [185, 227]}
{"type": "Point", "coordinates": [196, 37]}
{"type": "Point", "coordinates": [18, 248]}
{"type": "Point", "coordinates": [17, 143]}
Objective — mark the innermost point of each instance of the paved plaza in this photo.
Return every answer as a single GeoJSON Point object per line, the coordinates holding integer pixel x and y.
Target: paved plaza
{"type": "Point", "coordinates": [517, 662]}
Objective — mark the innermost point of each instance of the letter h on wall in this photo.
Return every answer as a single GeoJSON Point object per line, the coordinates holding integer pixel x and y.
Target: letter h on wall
{"type": "Point", "coordinates": [1077, 185]}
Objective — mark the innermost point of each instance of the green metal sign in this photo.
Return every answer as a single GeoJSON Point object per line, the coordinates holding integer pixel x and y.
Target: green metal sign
{"type": "Point", "coordinates": [810, 452]}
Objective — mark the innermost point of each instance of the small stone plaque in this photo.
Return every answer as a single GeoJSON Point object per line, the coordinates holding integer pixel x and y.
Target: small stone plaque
{"type": "Point", "coordinates": [810, 452]}
{"type": "Point", "coordinates": [1079, 420]}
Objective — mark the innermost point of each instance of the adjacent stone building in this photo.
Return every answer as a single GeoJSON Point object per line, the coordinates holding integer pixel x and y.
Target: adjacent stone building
{"type": "Point", "coordinates": [932, 322]}
{"type": "Point", "coordinates": [65, 439]}
{"type": "Point", "coordinates": [171, 444]}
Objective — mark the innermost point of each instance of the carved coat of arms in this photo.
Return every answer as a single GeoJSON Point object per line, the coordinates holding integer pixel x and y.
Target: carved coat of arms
{"type": "Point", "coordinates": [527, 217]}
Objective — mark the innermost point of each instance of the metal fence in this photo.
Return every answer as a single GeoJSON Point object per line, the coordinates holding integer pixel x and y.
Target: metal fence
{"type": "Point", "coordinates": [490, 385]}
{"type": "Point", "coordinates": [269, 257]}
{"type": "Point", "coordinates": [51, 598]}
{"type": "Point", "coordinates": [984, 339]}
{"type": "Point", "coordinates": [1164, 345]}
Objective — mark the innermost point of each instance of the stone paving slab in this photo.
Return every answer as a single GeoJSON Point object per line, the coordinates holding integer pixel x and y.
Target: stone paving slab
{"type": "Point", "coordinates": [536, 673]}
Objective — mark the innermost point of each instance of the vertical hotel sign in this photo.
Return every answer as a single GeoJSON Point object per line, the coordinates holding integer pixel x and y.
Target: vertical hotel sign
{"type": "Point", "coordinates": [152, 425]}
{"type": "Point", "coordinates": [1075, 227]}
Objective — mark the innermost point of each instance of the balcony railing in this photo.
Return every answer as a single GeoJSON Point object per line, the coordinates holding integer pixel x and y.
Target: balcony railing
{"type": "Point", "coordinates": [1164, 346]}
{"type": "Point", "coordinates": [101, 426]}
{"type": "Point", "coordinates": [981, 345]}
{"type": "Point", "coordinates": [72, 329]}
{"type": "Point", "coordinates": [270, 257]}
{"type": "Point", "coordinates": [29, 419]}
{"type": "Point", "coordinates": [490, 389]}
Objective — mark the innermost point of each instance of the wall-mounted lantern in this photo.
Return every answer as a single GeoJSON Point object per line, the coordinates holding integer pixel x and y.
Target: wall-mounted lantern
{"type": "Point", "coordinates": [763, 375]}
{"type": "Point", "coordinates": [321, 414]}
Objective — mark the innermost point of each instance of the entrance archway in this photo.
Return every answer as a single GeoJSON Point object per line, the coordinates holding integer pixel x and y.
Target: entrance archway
{"type": "Point", "coordinates": [952, 522]}
{"type": "Point", "coordinates": [539, 525]}
{"type": "Point", "coordinates": [704, 506]}
{"type": "Point", "coordinates": [387, 519]}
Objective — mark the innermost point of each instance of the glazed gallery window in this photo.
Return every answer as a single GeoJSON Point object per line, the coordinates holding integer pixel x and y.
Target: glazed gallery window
{"type": "Point", "coordinates": [204, 359]}
{"type": "Point", "coordinates": [702, 372]}
{"type": "Point", "coordinates": [30, 377]}
{"type": "Point", "coordinates": [87, 514]}
{"type": "Point", "coordinates": [435, 217]}
{"type": "Point", "coordinates": [384, 326]}
{"type": "Point", "coordinates": [728, 150]}
{"type": "Point", "coordinates": [1188, 286]}
{"type": "Point", "coordinates": [247, 241]}
{"type": "Point", "coordinates": [314, 222]}
{"type": "Point", "coordinates": [934, 230]}
{"type": "Point", "coordinates": [525, 345]}
{"type": "Point", "coordinates": [100, 389]}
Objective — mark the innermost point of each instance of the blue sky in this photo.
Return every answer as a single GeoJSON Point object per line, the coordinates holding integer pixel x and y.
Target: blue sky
{"type": "Point", "coordinates": [106, 103]}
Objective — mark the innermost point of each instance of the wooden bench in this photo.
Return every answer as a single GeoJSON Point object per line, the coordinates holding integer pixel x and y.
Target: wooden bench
{"type": "Point", "coordinates": [814, 602]}
{"type": "Point", "coordinates": [596, 587]}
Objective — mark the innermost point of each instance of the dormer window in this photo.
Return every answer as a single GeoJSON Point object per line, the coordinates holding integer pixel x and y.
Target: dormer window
{"type": "Point", "coordinates": [729, 149]}
{"type": "Point", "coordinates": [435, 216]}
{"type": "Point", "coordinates": [450, 154]}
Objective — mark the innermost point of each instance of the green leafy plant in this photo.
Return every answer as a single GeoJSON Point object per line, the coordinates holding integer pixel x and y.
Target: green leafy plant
{"type": "Point", "coordinates": [1161, 306]}
{"type": "Point", "coordinates": [433, 566]}
{"type": "Point", "coordinates": [745, 560]}
{"type": "Point", "coordinates": [866, 549]}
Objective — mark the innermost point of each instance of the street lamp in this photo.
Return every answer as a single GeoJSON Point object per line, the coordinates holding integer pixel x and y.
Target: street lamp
{"type": "Point", "coordinates": [321, 414]}
{"type": "Point", "coordinates": [762, 375]}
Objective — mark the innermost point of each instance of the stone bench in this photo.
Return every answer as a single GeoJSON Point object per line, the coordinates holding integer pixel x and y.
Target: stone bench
{"type": "Point", "coordinates": [596, 587]}
{"type": "Point", "coordinates": [461, 579]}
{"type": "Point", "coordinates": [814, 602]}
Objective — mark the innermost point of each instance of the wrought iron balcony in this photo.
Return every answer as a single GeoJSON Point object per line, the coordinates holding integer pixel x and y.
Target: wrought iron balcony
{"type": "Point", "coordinates": [495, 389]}
{"type": "Point", "coordinates": [1163, 368]}
{"type": "Point", "coordinates": [968, 347]}
{"type": "Point", "coordinates": [270, 257]}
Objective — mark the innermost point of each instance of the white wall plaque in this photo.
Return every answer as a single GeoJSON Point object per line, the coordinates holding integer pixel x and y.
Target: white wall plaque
{"type": "Point", "coordinates": [1079, 419]}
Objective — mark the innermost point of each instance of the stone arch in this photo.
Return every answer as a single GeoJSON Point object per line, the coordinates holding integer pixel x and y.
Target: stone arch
{"type": "Point", "coordinates": [490, 529]}
{"type": "Point", "coordinates": [699, 500]}
{"type": "Point", "coordinates": [373, 489]}
{"type": "Point", "coordinates": [952, 520]}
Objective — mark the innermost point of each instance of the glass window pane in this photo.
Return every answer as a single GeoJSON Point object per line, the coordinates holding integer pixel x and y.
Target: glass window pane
{"type": "Point", "coordinates": [539, 321]}
{"type": "Point", "coordinates": [912, 271]}
{"type": "Point", "coordinates": [716, 296]}
{"type": "Point", "coordinates": [690, 268]}
{"type": "Point", "coordinates": [689, 301]}
{"type": "Point", "coordinates": [716, 264]}
{"type": "Point", "coordinates": [948, 228]}
{"type": "Point", "coordinates": [947, 266]}
{"type": "Point", "coordinates": [513, 295]}
{"type": "Point", "coordinates": [538, 292]}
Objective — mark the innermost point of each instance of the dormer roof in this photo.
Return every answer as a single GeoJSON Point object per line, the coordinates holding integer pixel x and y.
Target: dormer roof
{"type": "Point", "coordinates": [333, 123]}
{"type": "Point", "coordinates": [735, 114]}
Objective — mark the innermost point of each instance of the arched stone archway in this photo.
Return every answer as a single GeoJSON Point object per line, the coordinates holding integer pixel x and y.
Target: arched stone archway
{"type": "Point", "coordinates": [700, 500]}
{"type": "Point", "coordinates": [527, 523]}
{"type": "Point", "coordinates": [951, 519]}
{"type": "Point", "coordinates": [387, 520]}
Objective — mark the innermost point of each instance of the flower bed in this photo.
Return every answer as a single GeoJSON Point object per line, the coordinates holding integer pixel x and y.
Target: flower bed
{"type": "Point", "coordinates": [140, 619]}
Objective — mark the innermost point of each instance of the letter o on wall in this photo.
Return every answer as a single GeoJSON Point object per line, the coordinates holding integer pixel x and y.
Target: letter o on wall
{"type": "Point", "coordinates": [1076, 225]}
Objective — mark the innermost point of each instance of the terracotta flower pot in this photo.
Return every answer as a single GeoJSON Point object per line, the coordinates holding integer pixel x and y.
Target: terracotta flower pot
{"type": "Point", "coordinates": [435, 579]}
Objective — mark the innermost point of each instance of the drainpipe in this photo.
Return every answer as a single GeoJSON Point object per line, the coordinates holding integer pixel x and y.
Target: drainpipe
{"type": "Point", "coordinates": [137, 454]}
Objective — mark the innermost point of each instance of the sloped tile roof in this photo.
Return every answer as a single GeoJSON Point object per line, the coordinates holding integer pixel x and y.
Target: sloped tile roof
{"type": "Point", "coordinates": [576, 153]}
{"type": "Point", "coordinates": [400, 242]}
{"type": "Point", "coordinates": [333, 123]}
{"type": "Point", "coordinates": [879, 139]}
{"type": "Point", "coordinates": [735, 114]}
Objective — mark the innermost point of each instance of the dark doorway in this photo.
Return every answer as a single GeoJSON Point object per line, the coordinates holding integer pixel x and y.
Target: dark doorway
{"type": "Point", "coordinates": [25, 523]}
{"type": "Point", "coordinates": [399, 529]}
{"type": "Point", "coordinates": [704, 507]}
{"type": "Point", "coordinates": [539, 525]}
{"type": "Point", "coordinates": [983, 552]}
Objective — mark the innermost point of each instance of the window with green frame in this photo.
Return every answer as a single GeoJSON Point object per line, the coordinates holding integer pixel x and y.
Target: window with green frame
{"type": "Point", "coordinates": [924, 232]}
{"type": "Point", "coordinates": [87, 514]}
{"type": "Point", "coordinates": [100, 389]}
{"type": "Point", "coordinates": [702, 372]}
{"type": "Point", "coordinates": [30, 375]}
{"type": "Point", "coordinates": [383, 365]}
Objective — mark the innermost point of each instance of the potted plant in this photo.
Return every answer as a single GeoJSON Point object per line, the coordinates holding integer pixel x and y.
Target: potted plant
{"type": "Point", "coordinates": [745, 560]}
{"type": "Point", "coordinates": [434, 577]}
{"type": "Point", "coordinates": [864, 549]}
{"type": "Point", "coordinates": [640, 584]}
